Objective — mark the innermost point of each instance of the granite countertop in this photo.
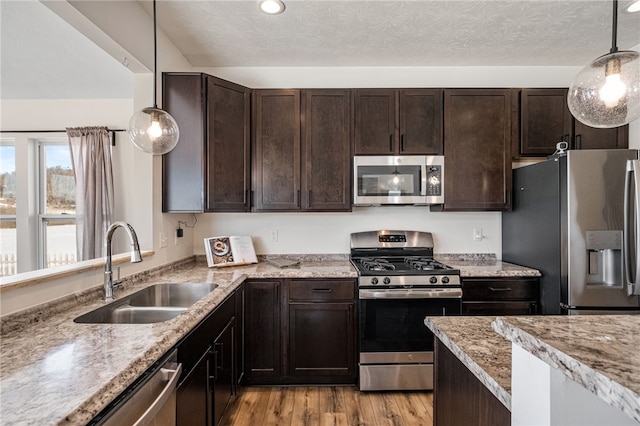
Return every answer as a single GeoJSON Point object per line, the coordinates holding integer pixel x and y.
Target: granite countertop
{"type": "Point", "coordinates": [484, 352]}
{"type": "Point", "coordinates": [60, 372]}
{"type": "Point", "coordinates": [485, 266]}
{"type": "Point", "coordinates": [55, 371]}
{"type": "Point", "coordinates": [599, 352]}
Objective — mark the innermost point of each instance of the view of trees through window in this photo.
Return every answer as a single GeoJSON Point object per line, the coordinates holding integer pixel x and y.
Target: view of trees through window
{"type": "Point", "coordinates": [56, 233]}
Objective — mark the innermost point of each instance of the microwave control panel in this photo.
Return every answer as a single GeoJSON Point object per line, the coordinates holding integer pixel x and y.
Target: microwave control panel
{"type": "Point", "coordinates": [434, 180]}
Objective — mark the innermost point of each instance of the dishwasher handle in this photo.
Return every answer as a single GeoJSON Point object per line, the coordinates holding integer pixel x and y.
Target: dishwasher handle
{"type": "Point", "coordinates": [162, 398]}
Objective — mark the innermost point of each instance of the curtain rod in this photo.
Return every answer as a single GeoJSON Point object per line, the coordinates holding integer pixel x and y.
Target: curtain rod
{"type": "Point", "coordinates": [112, 131]}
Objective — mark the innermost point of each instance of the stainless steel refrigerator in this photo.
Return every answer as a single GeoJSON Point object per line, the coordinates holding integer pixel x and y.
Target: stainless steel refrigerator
{"type": "Point", "coordinates": [568, 221]}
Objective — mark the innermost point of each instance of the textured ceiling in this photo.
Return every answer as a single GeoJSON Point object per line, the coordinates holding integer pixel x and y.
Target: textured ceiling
{"type": "Point", "coordinates": [395, 33]}
{"type": "Point", "coordinates": [43, 57]}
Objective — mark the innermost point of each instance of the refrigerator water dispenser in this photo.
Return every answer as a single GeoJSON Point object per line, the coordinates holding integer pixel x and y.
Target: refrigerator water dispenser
{"type": "Point", "coordinates": [604, 266]}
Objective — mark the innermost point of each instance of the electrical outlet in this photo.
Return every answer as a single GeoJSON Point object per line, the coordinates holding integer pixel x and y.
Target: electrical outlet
{"type": "Point", "coordinates": [274, 235]}
{"type": "Point", "coordinates": [477, 234]}
{"type": "Point", "coordinates": [163, 240]}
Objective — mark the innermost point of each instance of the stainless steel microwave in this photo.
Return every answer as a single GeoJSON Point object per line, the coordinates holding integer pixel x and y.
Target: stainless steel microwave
{"type": "Point", "coordinates": [389, 179]}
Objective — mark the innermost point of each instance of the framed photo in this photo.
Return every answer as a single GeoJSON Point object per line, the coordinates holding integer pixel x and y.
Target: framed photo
{"type": "Point", "coordinates": [229, 251]}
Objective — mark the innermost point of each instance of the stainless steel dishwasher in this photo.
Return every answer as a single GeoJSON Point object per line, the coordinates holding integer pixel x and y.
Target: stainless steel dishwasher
{"type": "Point", "coordinates": [149, 401]}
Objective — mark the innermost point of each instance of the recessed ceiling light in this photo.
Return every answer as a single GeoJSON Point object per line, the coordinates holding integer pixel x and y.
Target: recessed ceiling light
{"type": "Point", "coordinates": [272, 7]}
{"type": "Point", "coordinates": [634, 6]}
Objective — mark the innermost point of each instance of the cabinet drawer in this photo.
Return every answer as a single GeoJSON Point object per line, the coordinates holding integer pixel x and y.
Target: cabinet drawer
{"type": "Point", "coordinates": [499, 308]}
{"type": "Point", "coordinates": [500, 289]}
{"type": "Point", "coordinates": [321, 290]}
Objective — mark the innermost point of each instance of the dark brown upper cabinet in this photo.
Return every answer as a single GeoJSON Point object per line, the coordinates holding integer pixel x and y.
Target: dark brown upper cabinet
{"type": "Point", "coordinates": [545, 120]}
{"type": "Point", "coordinates": [398, 122]}
{"type": "Point", "coordinates": [302, 144]}
{"type": "Point", "coordinates": [209, 169]}
{"type": "Point", "coordinates": [276, 153]}
{"type": "Point", "coordinates": [477, 148]}
{"type": "Point", "coordinates": [326, 150]}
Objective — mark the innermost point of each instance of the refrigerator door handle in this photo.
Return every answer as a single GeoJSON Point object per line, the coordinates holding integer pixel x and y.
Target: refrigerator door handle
{"type": "Point", "coordinates": [632, 227]}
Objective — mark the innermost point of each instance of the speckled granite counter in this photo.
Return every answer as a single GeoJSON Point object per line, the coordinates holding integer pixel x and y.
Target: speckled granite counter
{"type": "Point", "coordinates": [60, 372]}
{"type": "Point", "coordinates": [485, 266]}
{"type": "Point", "coordinates": [54, 371]}
{"type": "Point", "coordinates": [484, 352]}
{"type": "Point", "coordinates": [599, 352]}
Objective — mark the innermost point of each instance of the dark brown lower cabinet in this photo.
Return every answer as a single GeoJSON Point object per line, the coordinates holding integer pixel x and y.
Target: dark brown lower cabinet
{"type": "Point", "coordinates": [500, 296]}
{"type": "Point", "coordinates": [459, 398]}
{"type": "Point", "coordinates": [263, 330]}
{"type": "Point", "coordinates": [322, 342]}
{"type": "Point", "coordinates": [300, 331]}
{"type": "Point", "coordinates": [207, 355]}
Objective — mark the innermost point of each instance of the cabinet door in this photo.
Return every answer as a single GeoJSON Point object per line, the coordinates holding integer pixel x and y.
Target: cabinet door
{"type": "Point", "coordinates": [263, 346]}
{"type": "Point", "coordinates": [321, 339]}
{"type": "Point", "coordinates": [222, 371]}
{"type": "Point", "coordinates": [375, 132]}
{"type": "Point", "coordinates": [587, 137]}
{"type": "Point", "coordinates": [192, 396]}
{"type": "Point", "coordinates": [545, 120]}
{"type": "Point", "coordinates": [277, 149]}
{"type": "Point", "coordinates": [477, 149]}
{"type": "Point", "coordinates": [228, 171]}
{"type": "Point", "coordinates": [183, 167]}
{"type": "Point", "coordinates": [326, 150]}
{"type": "Point", "coordinates": [420, 115]}
{"type": "Point", "coordinates": [240, 334]}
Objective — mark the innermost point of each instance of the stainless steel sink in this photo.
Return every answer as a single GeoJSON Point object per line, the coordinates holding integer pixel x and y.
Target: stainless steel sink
{"type": "Point", "coordinates": [179, 295]}
{"type": "Point", "coordinates": [156, 303]}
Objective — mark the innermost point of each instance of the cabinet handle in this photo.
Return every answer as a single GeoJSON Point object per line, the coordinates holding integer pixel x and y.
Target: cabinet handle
{"type": "Point", "coordinates": [401, 143]}
{"type": "Point", "coordinates": [219, 362]}
{"type": "Point", "coordinates": [391, 143]}
{"type": "Point", "coordinates": [349, 314]}
{"type": "Point", "coordinates": [322, 290]}
{"type": "Point", "coordinates": [298, 198]}
{"type": "Point", "coordinates": [277, 294]}
{"type": "Point", "coordinates": [308, 198]}
{"type": "Point", "coordinates": [500, 289]}
{"type": "Point", "coordinates": [579, 141]}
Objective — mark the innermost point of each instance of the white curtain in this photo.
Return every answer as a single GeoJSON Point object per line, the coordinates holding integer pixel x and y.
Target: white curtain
{"type": "Point", "coordinates": [91, 160]}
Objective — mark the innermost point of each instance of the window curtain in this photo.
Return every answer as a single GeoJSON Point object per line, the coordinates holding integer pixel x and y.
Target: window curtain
{"type": "Point", "coordinates": [91, 160]}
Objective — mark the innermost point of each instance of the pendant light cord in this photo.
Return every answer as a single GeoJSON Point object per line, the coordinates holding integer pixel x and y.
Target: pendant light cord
{"type": "Point", "coordinates": [614, 32]}
{"type": "Point", "coordinates": [155, 56]}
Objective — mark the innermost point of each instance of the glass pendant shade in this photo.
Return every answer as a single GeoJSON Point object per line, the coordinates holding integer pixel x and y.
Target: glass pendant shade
{"type": "Point", "coordinates": [154, 131]}
{"type": "Point", "coordinates": [606, 93]}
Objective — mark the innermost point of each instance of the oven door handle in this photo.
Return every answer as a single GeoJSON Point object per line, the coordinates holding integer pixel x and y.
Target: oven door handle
{"type": "Point", "coordinates": [439, 293]}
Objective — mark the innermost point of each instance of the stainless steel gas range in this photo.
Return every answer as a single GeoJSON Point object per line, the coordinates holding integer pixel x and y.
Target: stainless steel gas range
{"type": "Point", "coordinates": [400, 284]}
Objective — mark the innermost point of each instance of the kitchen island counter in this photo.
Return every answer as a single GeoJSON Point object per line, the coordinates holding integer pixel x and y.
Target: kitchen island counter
{"type": "Point", "coordinates": [56, 371]}
{"type": "Point", "coordinates": [483, 351]}
{"type": "Point", "coordinates": [599, 353]}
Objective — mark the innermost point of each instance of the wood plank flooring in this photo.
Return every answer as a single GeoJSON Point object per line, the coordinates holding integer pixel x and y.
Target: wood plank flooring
{"type": "Point", "coordinates": [328, 405]}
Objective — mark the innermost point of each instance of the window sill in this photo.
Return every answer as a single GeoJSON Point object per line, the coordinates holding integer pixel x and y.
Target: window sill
{"type": "Point", "coordinates": [26, 279]}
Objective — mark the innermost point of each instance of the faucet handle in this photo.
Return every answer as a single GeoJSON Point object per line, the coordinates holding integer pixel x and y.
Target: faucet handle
{"type": "Point", "coordinates": [117, 283]}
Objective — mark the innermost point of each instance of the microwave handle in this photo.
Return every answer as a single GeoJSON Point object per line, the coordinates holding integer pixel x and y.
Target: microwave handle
{"type": "Point", "coordinates": [423, 180]}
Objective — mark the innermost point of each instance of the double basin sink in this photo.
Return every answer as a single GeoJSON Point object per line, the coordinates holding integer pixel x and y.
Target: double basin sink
{"type": "Point", "coordinates": [156, 303]}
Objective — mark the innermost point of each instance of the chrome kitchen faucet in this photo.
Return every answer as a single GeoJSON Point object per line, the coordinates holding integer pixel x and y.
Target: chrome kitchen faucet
{"type": "Point", "coordinates": [109, 285]}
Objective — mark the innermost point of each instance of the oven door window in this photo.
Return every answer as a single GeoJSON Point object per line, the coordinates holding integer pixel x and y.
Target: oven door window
{"type": "Point", "coordinates": [385, 181]}
{"type": "Point", "coordinates": [396, 325]}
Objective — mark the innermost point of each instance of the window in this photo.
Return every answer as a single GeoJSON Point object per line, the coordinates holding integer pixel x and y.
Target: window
{"type": "Point", "coordinates": [57, 204]}
{"type": "Point", "coordinates": [8, 237]}
{"type": "Point", "coordinates": [37, 203]}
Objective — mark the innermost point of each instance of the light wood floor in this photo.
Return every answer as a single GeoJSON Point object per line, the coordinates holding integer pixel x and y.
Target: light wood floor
{"type": "Point", "coordinates": [328, 405]}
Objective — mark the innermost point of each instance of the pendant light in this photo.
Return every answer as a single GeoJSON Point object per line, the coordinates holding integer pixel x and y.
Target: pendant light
{"type": "Point", "coordinates": [151, 129]}
{"type": "Point", "coordinates": [606, 93]}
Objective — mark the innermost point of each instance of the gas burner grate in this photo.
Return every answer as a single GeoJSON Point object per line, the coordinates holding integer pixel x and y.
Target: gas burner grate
{"type": "Point", "coordinates": [377, 265]}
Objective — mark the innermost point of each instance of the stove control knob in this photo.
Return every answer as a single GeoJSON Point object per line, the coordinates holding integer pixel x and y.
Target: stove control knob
{"type": "Point", "coordinates": [445, 280]}
{"type": "Point", "coordinates": [374, 281]}
{"type": "Point", "coordinates": [386, 280]}
{"type": "Point", "coordinates": [433, 280]}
